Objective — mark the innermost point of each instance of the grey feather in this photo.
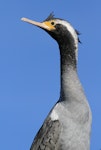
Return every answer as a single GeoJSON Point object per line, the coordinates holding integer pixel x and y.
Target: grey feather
{"type": "Point", "coordinates": [48, 135]}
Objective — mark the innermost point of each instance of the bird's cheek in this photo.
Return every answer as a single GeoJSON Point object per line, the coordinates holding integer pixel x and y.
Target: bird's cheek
{"type": "Point", "coordinates": [49, 25]}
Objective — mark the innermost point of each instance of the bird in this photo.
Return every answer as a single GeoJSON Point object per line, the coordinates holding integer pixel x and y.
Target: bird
{"type": "Point", "coordinates": [68, 124]}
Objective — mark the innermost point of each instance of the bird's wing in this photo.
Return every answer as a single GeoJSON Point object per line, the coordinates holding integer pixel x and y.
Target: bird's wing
{"type": "Point", "coordinates": [48, 135]}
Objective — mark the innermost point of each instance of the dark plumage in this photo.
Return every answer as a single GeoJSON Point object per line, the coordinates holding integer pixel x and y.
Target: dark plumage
{"type": "Point", "coordinates": [50, 17]}
{"type": "Point", "coordinates": [68, 125]}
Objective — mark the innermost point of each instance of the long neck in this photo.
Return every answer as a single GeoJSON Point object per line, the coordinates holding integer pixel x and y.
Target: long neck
{"type": "Point", "coordinates": [68, 57]}
{"type": "Point", "coordinates": [69, 79]}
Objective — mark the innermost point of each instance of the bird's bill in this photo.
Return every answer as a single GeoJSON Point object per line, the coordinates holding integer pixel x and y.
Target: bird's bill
{"type": "Point", "coordinates": [44, 25]}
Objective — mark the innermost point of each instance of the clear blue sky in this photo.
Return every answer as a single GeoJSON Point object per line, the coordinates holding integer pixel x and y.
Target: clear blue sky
{"type": "Point", "coordinates": [29, 66]}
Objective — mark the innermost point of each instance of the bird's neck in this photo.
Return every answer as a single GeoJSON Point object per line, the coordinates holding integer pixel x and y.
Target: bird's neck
{"type": "Point", "coordinates": [69, 79]}
{"type": "Point", "coordinates": [68, 54]}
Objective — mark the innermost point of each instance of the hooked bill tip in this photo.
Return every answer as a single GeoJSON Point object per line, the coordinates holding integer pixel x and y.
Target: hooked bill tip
{"type": "Point", "coordinates": [23, 19]}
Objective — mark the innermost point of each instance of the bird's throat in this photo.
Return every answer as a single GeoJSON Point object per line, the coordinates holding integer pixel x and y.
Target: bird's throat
{"type": "Point", "coordinates": [68, 56]}
{"type": "Point", "coordinates": [68, 65]}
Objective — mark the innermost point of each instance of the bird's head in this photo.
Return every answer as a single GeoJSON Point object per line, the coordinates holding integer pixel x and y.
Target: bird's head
{"type": "Point", "coordinates": [59, 29]}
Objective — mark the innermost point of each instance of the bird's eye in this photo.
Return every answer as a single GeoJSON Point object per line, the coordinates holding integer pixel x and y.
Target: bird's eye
{"type": "Point", "coordinates": [52, 23]}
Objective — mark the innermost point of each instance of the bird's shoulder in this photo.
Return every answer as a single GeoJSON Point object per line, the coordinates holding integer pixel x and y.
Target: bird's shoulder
{"type": "Point", "coordinates": [48, 135]}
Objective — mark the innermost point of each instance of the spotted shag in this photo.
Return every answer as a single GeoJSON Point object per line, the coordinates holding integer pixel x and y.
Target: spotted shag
{"type": "Point", "coordinates": [68, 125]}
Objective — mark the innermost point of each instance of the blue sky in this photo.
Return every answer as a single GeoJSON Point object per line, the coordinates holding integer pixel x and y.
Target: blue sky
{"type": "Point", "coordinates": [29, 66]}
